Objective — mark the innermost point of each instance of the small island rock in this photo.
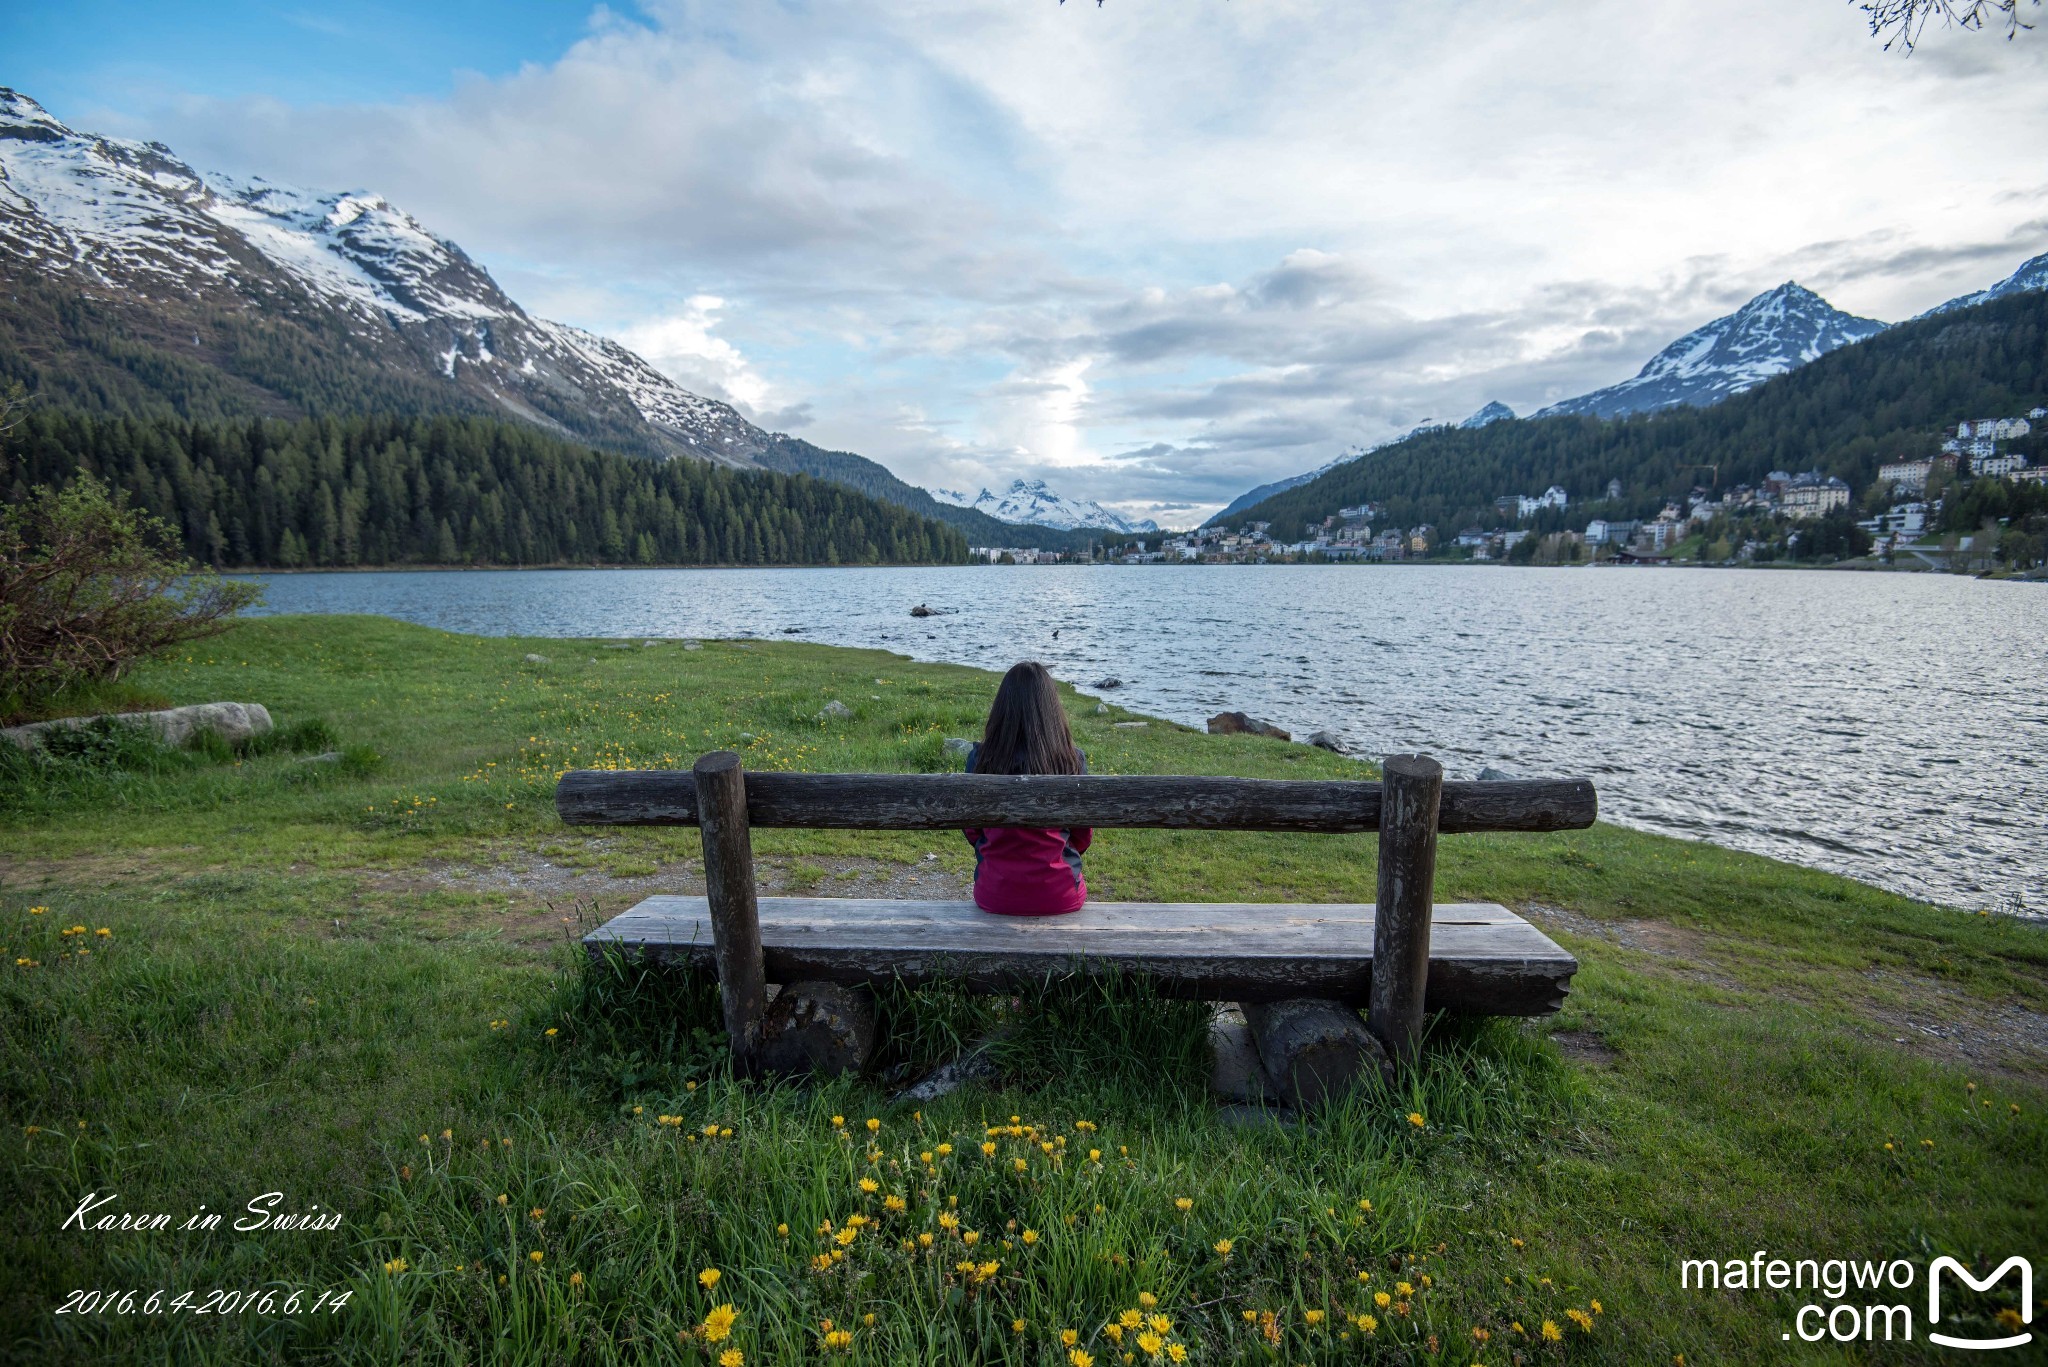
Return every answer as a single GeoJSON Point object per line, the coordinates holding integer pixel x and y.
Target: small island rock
{"type": "Point", "coordinates": [1238, 724]}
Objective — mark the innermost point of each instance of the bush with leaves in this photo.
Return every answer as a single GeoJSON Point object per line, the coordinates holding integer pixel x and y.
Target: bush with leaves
{"type": "Point", "coordinates": [88, 589]}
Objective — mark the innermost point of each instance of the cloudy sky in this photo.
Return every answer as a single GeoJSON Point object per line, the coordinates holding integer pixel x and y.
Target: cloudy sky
{"type": "Point", "coordinates": [1153, 251]}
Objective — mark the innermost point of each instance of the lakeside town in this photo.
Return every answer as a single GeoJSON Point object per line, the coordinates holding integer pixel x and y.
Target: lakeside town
{"type": "Point", "coordinates": [1899, 520]}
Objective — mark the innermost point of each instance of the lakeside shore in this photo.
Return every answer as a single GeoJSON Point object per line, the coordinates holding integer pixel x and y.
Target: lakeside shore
{"type": "Point", "coordinates": [315, 971]}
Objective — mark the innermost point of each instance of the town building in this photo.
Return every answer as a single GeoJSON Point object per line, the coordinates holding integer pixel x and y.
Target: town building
{"type": "Point", "coordinates": [1813, 495]}
{"type": "Point", "coordinates": [2000, 465]}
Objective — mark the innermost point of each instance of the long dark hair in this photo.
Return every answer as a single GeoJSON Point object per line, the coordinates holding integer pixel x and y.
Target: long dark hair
{"type": "Point", "coordinates": [1027, 728]}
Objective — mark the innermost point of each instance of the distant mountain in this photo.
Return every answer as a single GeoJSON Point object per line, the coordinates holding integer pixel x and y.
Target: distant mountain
{"type": "Point", "coordinates": [1889, 398]}
{"type": "Point", "coordinates": [2032, 275]}
{"type": "Point", "coordinates": [1492, 413]}
{"type": "Point", "coordinates": [131, 283]}
{"type": "Point", "coordinates": [1777, 331]}
{"type": "Point", "coordinates": [1030, 501]}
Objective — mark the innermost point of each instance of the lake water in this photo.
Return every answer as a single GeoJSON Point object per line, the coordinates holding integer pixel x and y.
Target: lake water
{"type": "Point", "coordinates": [1890, 727]}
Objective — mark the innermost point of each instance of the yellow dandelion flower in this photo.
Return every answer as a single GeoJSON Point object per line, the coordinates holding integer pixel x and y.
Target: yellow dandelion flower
{"type": "Point", "coordinates": [1029, 1236]}
{"type": "Point", "coordinates": [1183, 1204]}
{"type": "Point", "coordinates": [782, 1231]}
{"type": "Point", "coordinates": [1068, 1338]}
{"type": "Point", "coordinates": [873, 1124]}
{"type": "Point", "coordinates": [1223, 1246]}
{"type": "Point", "coordinates": [988, 1148]}
{"type": "Point", "coordinates": [1312, 1317]}
{"type": "Point", "coordinates": [708, 1278]}
{"type": "Point", "coordinates": [1382, 1299]}
{"type": "Point", "coordinates": [1016, 1326]}
{"type": "Point", "coordinates": [944, 1149]}
{"type": "Point", "coordinates": [1077, 1358]}
{"type": "Point", "coordinates": [718, 1324]}
{"type": "Point", "coordinates": [1159, 1324]}
{"type": "Point", "coordinates": [535, 1257]}
{"type": "Point", "coordinates": [731, 1357]}
{"type": "Point", "coordinates": [1177, 1352]}
{"type": "Point", "coordinates": [1130, 1319]}
{"type": "Point", "coordinates": [870, 1185]}
{"type": "Point", "coordinates": [1151, 1344]}
{"type": "Point", "coordinates": [1551, 1332]}
{"type": "Point", "coordinates": [1146, 1300]}
{"type": "Point", "coordinates": [1366, 1324]}
{"type": "Point", "coordinates": [1415, 1119]}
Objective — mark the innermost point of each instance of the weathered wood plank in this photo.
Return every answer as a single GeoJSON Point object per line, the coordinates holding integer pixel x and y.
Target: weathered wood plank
{"type": "Point", "coordinates": [1407, 888]}
{"type": "Point", "coordinates": [732, 909]}
{"type": "Point", "coordinates": [922, 802]}
{"type": "Point", "coordinates": [1483, 958]}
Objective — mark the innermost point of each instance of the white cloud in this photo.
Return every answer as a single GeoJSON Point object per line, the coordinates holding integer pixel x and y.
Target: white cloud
{"type": "Point", "coordinates": [1160, 253]}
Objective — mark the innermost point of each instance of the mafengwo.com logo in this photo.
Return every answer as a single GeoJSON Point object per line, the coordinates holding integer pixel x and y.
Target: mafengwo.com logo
{"type": "Point", "coordinates": [1861, 1301]}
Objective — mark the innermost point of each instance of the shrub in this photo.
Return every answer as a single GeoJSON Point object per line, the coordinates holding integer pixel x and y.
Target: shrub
{"type": "Point", "coordinates": [87, 590]}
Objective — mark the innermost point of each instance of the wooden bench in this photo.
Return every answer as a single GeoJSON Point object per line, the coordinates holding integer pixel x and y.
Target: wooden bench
{"type": "Point", "coordinates": [1301, 969]}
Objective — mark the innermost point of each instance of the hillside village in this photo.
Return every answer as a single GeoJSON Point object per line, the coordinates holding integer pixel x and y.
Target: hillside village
{"type": "Point", "coordinates": [1807, 515]}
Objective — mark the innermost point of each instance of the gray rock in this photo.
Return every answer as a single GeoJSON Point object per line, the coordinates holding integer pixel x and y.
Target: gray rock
{"type": "Point", "coordinates": [619, 645]}
{"type": "Point", "coordinates": [1107, 683]}
{"type": "Point", "coordinates": [1238, 724]}
{"type": "Point", "coordinates": [1491, 775]}
{"type": "Point", "coordinates": [649, 645]}
{"type": "Point", "coordinates": [693, 645]}
{"type": "Point", "coordinates": [958, 745]}
{"type": "Point", "coordinates": [972, 1066]}
{"type": "Point", "coordinates": [834, 711]}
{"type": "Point", "coordinates": [922, 611]}
{"type": "Point", "coordinates": [1323, 740]}
{"type": "Point", "coordinates": [1235, 1073]}
{"type": "Point", "coordinates": [231, 721]}
{"type": "Point", "coordinates": [536, 659]}
{"type": "Point", "coordinates": [1102, 709]}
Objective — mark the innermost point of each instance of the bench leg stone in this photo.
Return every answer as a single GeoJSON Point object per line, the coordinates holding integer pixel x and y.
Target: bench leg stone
{"type": "Point", "coordinates": [818, 1028]}
{"type": "Point", "coordinates": [1314, 1051]}
{"type": "Point", "coordinates": [1235, 1073]}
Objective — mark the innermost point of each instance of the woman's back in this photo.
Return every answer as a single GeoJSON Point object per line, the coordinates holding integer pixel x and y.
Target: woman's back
{"type": "Point", "coordinates": [1021, 871]}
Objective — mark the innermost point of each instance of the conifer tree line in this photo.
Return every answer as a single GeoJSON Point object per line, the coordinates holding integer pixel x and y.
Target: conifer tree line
{"type": "Point", "coordinates": [363, 491]}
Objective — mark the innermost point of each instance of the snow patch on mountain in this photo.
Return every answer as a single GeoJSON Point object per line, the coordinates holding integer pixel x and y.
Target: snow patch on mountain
{"type": "Point", "coordinates": [1031, 501]}
{"type": "Point", "coordinates": [2032, 275]}
{"type": "Point", "coordinates": [1494, 412]}
{"type": "Point", "coordinates": [1779, 330]}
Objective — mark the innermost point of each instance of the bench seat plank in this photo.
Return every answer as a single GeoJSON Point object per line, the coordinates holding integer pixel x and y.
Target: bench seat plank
{"type": "Point", "coordinates": [1483, 957]}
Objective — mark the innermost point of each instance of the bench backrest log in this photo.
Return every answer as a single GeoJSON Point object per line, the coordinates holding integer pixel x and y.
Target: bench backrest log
{"type": "Point", "coordinates": [1409, 809]}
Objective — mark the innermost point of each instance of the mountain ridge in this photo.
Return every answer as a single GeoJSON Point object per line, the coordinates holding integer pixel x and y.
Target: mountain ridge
{"type": "Point", "coordinates": [1032, 501]}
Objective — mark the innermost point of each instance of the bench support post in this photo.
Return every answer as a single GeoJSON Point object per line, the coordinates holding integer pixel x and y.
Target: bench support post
{"type": "Point", "coordinates": [1411, 790]}
{"type": "Point", "coordinates": [735, 912]}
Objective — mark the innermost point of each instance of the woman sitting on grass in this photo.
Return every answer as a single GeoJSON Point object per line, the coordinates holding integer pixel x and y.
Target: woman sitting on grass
{"type": "Point", "coordinates": [1020, 872]}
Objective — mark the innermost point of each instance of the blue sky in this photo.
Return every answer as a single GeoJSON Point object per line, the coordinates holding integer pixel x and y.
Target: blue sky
{"type": "Point", "coordinates": [1154, 254]}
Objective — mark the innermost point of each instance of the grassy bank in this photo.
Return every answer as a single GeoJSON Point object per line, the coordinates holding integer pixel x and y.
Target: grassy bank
{"type": "Point", "coordinates": [349, 982]}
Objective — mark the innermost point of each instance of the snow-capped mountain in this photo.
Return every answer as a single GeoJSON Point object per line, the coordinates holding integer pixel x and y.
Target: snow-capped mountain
{"type": "Point", "coordinates": [1777, 331]}
{"type": "Point", "coordinates": [1030, 501]}
{"type": "Point", "coordinates": [403, 313]}
{"type": "Point", "coordinates": [2032, 275]}
{"type": "Point", "coordinates": [1494, 412]}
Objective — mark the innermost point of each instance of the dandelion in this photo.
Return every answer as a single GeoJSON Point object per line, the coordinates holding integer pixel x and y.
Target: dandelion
{"type": "Point", "coordinates": [1551, 1332]}
{"type": "Point", "coordinates": [1177, 1352]}
{"type": "Point", "coordinates": [838, 1122]}
{"type": "Point", "coordinates": [1366, 1324]}
{"type": "Point", "coordinates": [396, 1266]}
{"type": "Point", "coordinates": [1364, 1277]}
{"type": "Point", "coordinates": [1223, 1247]}
{"type": "Point", "coordinates": [1077, 1358]}
{"type": "Point", "coordinates": [1115, 1331]}
{"type": "Point", "coordinates": [1183, 1204]}
{"type": "Point", "coordinates": [1580, 1318]}
{"type": "Point", "coordinates": [503, 1199]}
{"type": "Point", "coordinates": [894, 1204]}
{"type": "Point", "coordinates": [1029, 1236]}
{"type": "Point", "coordinates": [1927, 1143]}
{"type": "Point", "coordinates": [718, 1324]}
{"type": "Point", "coordinates": [1519, 1244]}
{"type": "Point", "coordinates": [1130, 1319]}
{"type": "Point", "coordinates": [944, 1149]}
{"type": "Point", "coordinates": [731, 1357]}
{"type": "Point", "coordinates": [988, 1148]}
{"type": "Point", "coordinates": [1016, 1326]}
{"type": "Point", "coordinates": [970, 1237]}
{"type": "Point", "coordinates": [873, 1124]}
{"type": "Point", "coordinates": [1365, 1207]}
{"type": "Point", "coordinates": [1068, 1338]}
{"type": "Point", "coordinates": [2008, 1320]}
{"type": "Point", "coordinates": [1382, 1299]}
{"type": "Point", "coordinates": [1151, 1344]}
{"type": "Point", "coordinates": [1146, 1300]}
{"type": "Point", "coordinates": [1596, 1308]}
{"type": "Point", "coordinates": [870, 1185]}
{"type": "Point", "coordinates": [552, 1032]}
{"type": "Point", "coordinates": [535, 1257]}
{"type": "Point", "coordinates": [575, 1279]}
{"type": "Point", "coordinates": [1312, 1317]}
{"type": "Point", "coordinates": [1403, 1289]}
{"type": "Point", "coordinates": [104, 933]}
{"type": "Point", "coordinates": [708, 1278]}
{"type": "Point", "coordinates": [1479, 1335]}
{"type": "Point", "coordinates": [924, 1240]}
{"type": "Point", "coordinates": [948, 1220]}
{"type": "Point", "coordinates": [868, 1319]}
{"type": "Point", "coordinates": [1415, 1119]}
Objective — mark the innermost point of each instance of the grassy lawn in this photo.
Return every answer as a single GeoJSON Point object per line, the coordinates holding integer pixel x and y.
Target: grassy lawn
{"type": "Point", "coordinates": [350, 982]}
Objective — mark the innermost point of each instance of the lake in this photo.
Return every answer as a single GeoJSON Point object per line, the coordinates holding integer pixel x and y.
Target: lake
{"type": "Point", "coordinates": [1890, 727]}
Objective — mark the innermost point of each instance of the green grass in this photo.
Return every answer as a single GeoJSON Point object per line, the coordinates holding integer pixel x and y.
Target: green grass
{"type": "Point", "coordinates": [315, 972]}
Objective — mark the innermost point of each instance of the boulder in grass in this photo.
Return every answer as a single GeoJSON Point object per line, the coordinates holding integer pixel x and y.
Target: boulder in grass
{"type": "Point", "coordinates": [835, 711]}
{"type": "Point", "coordinates": [1324, 740]}
{"type": "Point", "coordinates": [1492, 775]}
{"type": "Point", "coordinates": [231, 721]}
{"type": "Point", "coordinates": [1238, 724]}
{"type": "Point", "coordinates": [958, 746]}
{"type": "Point", "coordinates": [536, 659]}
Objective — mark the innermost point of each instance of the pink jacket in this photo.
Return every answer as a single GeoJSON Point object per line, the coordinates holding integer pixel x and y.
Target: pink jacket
{"type": "Point", "coordinates": [1024, 872]}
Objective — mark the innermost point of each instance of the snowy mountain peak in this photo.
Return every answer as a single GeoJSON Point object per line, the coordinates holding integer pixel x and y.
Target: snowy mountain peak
{"type": "Point", "coordinates": [1779, 330]}
{"type": "Point", "coordinates": [1033, 501]}
{"type": "Point", "coordinates": [1496, 411]}
{"type": "Point", "coordinates": [2032, 275]}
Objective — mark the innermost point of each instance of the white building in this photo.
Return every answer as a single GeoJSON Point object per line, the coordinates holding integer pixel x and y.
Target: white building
{"type": "Point", "coordinates": [1813, 495]}
{"type": "Point", "coordinates": [1997, 466]}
